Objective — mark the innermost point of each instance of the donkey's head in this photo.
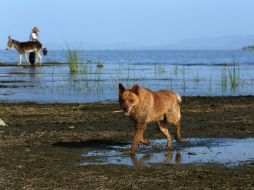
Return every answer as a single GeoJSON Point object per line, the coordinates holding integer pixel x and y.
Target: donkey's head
{"type": "Point", "coordinates": [9, 43]}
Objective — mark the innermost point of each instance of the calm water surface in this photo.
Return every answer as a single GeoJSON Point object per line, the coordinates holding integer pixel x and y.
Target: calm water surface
{"type": "Point", "coordinates": [190, 73]}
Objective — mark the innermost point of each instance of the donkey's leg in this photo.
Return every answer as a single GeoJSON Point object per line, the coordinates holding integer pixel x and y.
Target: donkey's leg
{"type": "Point", "coordinates": [20, 59]}
{"type": "Point", "coordinates": [27, 59]}
{"type": "Point", "coordinates": [38, 55]}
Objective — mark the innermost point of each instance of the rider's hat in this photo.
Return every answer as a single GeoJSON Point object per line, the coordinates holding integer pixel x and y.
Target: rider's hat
{"type": "Point", "coordinates": [36, 29]}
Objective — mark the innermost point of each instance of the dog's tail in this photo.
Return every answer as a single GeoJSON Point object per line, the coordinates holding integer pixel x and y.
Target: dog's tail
{"type": "Point", "coordinates": [179, 98]}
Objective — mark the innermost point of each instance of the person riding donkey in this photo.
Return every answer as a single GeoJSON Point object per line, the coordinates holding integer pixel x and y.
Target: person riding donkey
{"type": "Point", "coordinates": [34, 36]}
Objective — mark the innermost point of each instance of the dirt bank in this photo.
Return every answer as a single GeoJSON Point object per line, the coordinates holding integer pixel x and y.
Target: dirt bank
{"type": "Point", "coordinates": [42, 145]}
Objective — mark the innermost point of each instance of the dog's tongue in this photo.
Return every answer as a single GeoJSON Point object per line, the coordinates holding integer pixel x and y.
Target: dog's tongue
{"type": "Point", "coordinates": [128, 113]}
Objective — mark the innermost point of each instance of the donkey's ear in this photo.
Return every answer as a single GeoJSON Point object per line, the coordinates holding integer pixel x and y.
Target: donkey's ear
{"type": "Point", "coordinates": [121, 88]}
{"type": "Point", "coordinates": [9, 37]}
{"type": "Point", "coordinates": [135, 89]}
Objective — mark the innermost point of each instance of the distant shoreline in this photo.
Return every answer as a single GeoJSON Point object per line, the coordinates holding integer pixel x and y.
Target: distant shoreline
{"type": "Point", "coordinates": [248, 48]}
{"type": "Point", "coordinates": [91, 50]}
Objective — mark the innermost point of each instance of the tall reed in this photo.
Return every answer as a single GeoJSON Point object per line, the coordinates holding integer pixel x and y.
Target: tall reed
{"type": "Point", "coordinates": [73, 59]}
{"type": "Point", "coordinates": [224, 80]}
{"type": "Point", "coordinates": [234, 77]}
{"type": "Point", "coordinates": [158, 69]}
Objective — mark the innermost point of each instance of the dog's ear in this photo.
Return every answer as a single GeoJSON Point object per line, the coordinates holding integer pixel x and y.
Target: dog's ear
{"type": "Point", "coordinates": [121, 88]}
{"type": "Point", "coordinates": [135, 89]}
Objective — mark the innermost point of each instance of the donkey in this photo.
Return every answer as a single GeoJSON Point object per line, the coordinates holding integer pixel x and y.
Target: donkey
{"type": "Point", "coordinates": [25, 47]}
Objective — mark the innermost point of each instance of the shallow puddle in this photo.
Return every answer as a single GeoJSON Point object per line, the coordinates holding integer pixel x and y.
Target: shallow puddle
{"type": "Point", "coordinates": [226, 151]}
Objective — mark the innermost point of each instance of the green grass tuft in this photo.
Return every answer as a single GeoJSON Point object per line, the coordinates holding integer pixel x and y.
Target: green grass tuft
{"type": "Point", "coordinates": [73, 59]}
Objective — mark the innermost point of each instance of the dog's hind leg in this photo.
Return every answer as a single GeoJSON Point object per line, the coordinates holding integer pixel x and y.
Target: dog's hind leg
{"type": "Point", "coordinates": [174, 117]}
{"type": "Point", "coordinates": [178, 132]}
{"type": "Point", "coordinates": [163, 128]}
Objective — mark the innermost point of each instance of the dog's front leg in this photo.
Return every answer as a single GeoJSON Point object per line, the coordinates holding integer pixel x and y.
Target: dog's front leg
{"type": "Point", "coordinates": [144, 141]}
{"type": "Point", "coordinates": [138, 136]}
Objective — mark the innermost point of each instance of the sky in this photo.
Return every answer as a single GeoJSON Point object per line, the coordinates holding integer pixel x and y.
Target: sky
{"type": "Point", "coordinates": [142, 23]}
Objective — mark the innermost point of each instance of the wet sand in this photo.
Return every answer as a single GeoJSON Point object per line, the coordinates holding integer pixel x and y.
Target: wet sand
{"type": "Point", "coordinates": [42, 146]}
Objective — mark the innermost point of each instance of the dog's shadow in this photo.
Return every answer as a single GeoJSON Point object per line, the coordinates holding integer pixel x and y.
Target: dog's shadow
{"type": "Point", "coordinates": [94, 144]}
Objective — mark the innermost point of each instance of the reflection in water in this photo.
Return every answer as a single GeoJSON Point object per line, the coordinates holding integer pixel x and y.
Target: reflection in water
{"type": "Point", "coordinates": [34, 76]}
{"type": "Point", "coordinates": [32, 72]}
{"type": "Point", "coordinates": [170, 157]}
{"type": "Point", "coordinates": [229, 152]}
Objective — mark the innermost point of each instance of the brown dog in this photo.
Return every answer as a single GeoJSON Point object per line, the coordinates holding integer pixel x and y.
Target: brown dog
{"type": "Point", "coordinates": [146, 106]}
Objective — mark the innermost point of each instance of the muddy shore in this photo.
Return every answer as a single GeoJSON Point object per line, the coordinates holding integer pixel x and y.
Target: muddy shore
{"type": "Point", "coordinates": [42, 145]}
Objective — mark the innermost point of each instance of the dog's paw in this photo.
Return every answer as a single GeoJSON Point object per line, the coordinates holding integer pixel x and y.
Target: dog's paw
{"type": "Point", "coordinates": [170, 146]}
{"type": "Point", "coordinates": [132, 151]}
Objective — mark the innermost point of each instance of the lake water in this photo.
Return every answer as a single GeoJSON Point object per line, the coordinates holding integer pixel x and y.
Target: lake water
{"type": "Point", "coordinates": [190, 73]}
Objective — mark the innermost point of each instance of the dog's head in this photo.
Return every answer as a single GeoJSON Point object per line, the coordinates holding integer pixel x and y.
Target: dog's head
{"type": "Point", "coordinates": [128, 98]}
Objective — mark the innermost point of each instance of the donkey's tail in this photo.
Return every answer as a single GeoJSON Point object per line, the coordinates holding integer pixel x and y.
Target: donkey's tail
{"type": "Point", "coordinates": [44, 51]}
